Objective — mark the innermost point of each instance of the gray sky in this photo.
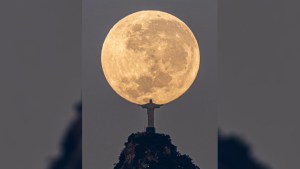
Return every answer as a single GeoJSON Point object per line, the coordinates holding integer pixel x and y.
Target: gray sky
{"type": "Point", "coordinates": [108, 119]}
{"type": "Point", "coordinates": [258, 74]}
{"type": "Point", "coordinates": [40, 79]}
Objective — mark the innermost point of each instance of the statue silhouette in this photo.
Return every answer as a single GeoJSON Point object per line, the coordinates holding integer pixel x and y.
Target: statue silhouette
{"type": "Point", "coordinates": [150, 112]}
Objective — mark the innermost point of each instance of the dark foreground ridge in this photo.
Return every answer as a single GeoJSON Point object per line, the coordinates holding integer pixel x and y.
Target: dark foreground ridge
{"type": "Point", "coordinates": [234, 153]}
{"type": "Point", "coordinates": [71, 152]}
{"type": "Point", "coordinates": [152, 151]}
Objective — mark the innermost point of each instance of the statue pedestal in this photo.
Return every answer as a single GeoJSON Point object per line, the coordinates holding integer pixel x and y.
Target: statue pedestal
{"type": "Point", "coordinates": [150, 130]}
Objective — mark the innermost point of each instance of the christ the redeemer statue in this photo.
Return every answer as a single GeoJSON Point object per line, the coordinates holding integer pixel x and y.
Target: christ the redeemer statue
{"type": "Point", "coordinates": [150, 111]}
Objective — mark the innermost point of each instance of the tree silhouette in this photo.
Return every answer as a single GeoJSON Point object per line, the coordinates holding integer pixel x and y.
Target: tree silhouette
{"type": "Point", "coordinates": [152, 151]}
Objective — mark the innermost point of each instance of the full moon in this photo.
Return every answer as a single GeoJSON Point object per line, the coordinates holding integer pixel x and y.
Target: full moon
{"type": "Point", "coordinates": [150, 55]}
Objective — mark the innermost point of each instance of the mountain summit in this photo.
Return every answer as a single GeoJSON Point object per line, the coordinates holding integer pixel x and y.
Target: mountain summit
{"type": "Point", "coordinates": [152, 151]}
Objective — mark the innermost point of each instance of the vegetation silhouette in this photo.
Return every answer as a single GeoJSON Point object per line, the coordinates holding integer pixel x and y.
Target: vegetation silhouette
{"type": "Point", "coordinates": [152, 151]}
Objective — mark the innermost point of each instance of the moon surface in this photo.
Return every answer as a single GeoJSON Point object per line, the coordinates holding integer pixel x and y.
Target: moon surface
{"type": "Point", "coordinates": [150, 55]}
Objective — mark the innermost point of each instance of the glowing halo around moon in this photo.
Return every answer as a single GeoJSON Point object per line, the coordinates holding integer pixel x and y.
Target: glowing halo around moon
{"type": "Point", "coordinates": [150, 55]}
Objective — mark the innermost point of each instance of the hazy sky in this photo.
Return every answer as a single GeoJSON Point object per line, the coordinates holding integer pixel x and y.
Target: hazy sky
{"type": "Point", "coordinates": [40, 79]}
{"type": "Point", "coordinates": [108, 119]}
{"type": "Point", "coordinates": [258, 74]}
